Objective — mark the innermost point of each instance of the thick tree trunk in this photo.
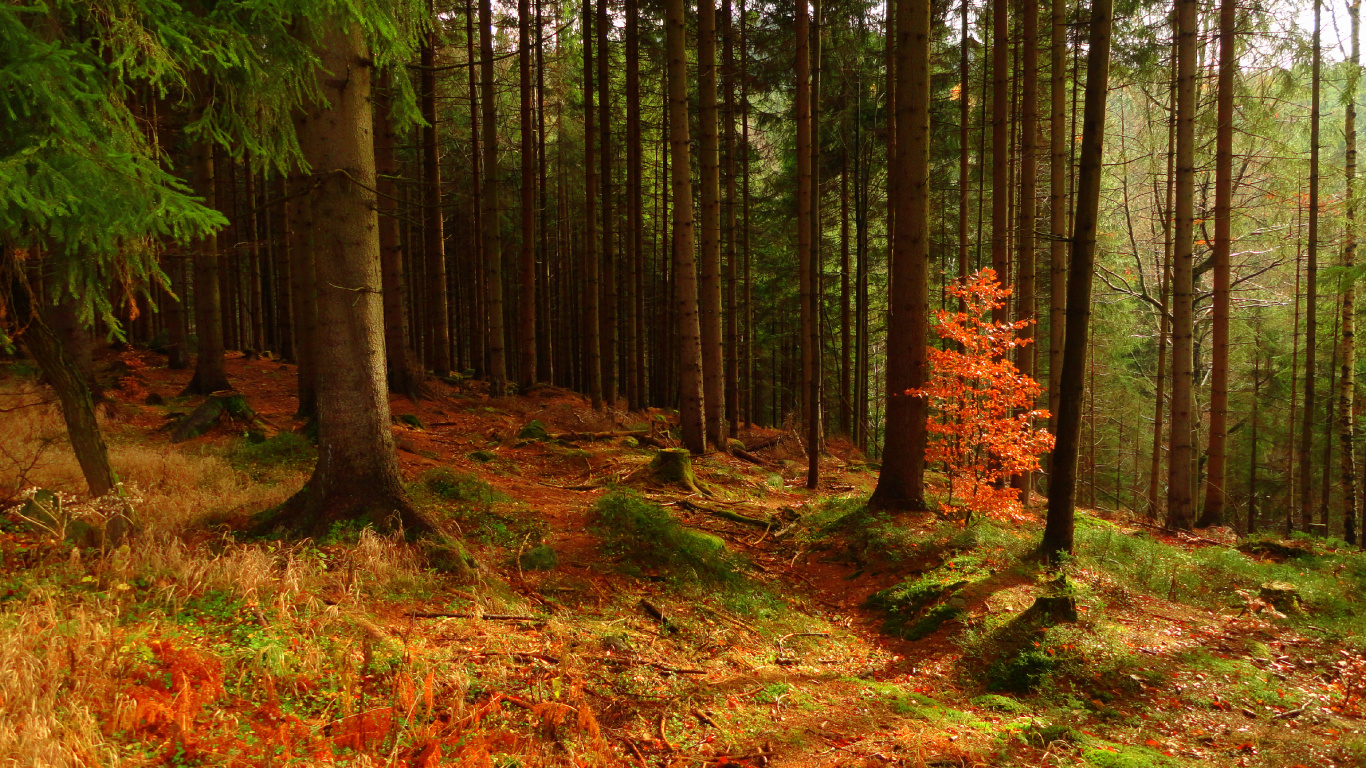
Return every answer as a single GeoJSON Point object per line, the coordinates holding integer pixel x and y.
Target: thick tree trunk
{"type": "Point", "coordinates": [691, 419]}
{"type": "Point", "coordinates": [356, 478]}
{"type": "Point", "coordinates": [901, 484]}
{"type": "Point", "coordinates": [709, 259]}
{"type": "Point", "coordinates": [1062, 475]}
{"type": "Point", "coordinates": [210, 367]}
{"type": "Point", "coordinates": [1215, 493]}
{"type": "Point", "coordinates": [1179, 484]}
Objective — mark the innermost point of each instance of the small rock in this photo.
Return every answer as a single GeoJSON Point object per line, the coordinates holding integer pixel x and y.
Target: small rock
{"type": "Point", "coordinates": [483, 456]}
{"type": "Point", "coordinates": [154, 399]}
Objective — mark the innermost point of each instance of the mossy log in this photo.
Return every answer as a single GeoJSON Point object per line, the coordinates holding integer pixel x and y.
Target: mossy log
{"type": "Point", "coordinates": [219, 405]}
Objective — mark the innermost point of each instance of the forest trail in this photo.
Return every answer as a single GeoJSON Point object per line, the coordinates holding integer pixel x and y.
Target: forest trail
{"type": "Point", "coordinates": [252, 653]}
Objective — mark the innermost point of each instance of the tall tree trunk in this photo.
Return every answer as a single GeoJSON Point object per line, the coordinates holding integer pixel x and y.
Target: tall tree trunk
{"type": "Point", "coordinates": [526, 301]}
{"type": "Point", "coordinates": [805, 248]}
{"type": "Point", "coordinates": [1328, 423]}
{"type": "Point", "coordinates": [479, 324]}
{"type": "Point", "coordinates": [1215, 493]}
{"type": "Point", "coordinates": [1000, 143]}
{"type": "Point", "coordinates": [1062, 475]}
{"type": "Point", "coordinates": [1164, 294]}
{"type": "Point", "coordinates": [1179, 484]}
{"type": "Point", "coordinates": [709, 260]}
{"type": "Point", "coordinates": [1059, 159]}
{"type": "Point", "coordinates": [635, 220]}
{"type": "Point", "coordinates": [404, 375]}
{"type": "Point", "coordinates": [691, 420]}
{"type": "Point", "coordinates": [288, 332]}
{"type": "Point", "coordinates": [1347, 359]}
{"type": "Point", "coordinates": [1311, 289]}
{"type": "Point", "coordinates": [592, 334]}
{"type": "Point", "coordinates": [302, 281]}
{"type": "Point", "coordinates": [732, 365]}
{"type": "Point", "coordinates": [356, 477]}
{"type": "Point", "coordinates": [846, 350]}
{"type": "Point", "coordinates": [438, 339]}
{"type": "Point", "coordinates": [749, 331]}
{"type": "Point", "coordinates": [964, 137]}
{"type": "Point", "coordinates": [1256, 405]}
{"type": "Point", "coordinates": [901, 483]}
{"type": "Point", "coordinates": [210, 367]}
{"type": "Point", "coordinates": [815, 400]}
{"type": "Point", "coordinates": [608, 308]}
{"type": "Point", "coordinates": [1029, 108]}
{"type": "Point", "coordinates": [493, 238]}
{"type": "Point", "coordinates": [545, 368]}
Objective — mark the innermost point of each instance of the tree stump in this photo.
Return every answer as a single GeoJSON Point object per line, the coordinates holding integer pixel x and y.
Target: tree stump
{"type": "Point", "coordinates": [232, 405]}
{"type": "Point", "coordinates": [1284, 597]}
{"type": "Point", "coordinates": [673, 466]}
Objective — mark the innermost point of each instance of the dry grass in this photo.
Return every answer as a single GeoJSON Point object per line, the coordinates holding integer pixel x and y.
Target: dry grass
{"type": "Point", "coordinates": [173, 489]}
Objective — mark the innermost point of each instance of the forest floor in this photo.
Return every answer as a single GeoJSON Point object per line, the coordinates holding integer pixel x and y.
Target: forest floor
{"type": "Point", "coordinates": [616, 621]}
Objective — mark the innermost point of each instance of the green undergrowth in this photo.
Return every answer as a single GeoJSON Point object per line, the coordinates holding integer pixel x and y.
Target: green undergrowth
{"type": "Point", "coordinates": [1331, 584]}
{"type": "Point", "coordinates": [646, 539]}
{"type": "Point", "coordinates": [917, 606]}
{"type": "Point", "coordinates": [287, 449]}
{"type": "Point", "coordinates": [481, 513]}
{"type": "Point", "coordinates": [898, 539]}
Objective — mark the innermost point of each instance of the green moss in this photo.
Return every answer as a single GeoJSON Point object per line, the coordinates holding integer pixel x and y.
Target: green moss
{"type": "Point", "coordinates": [539, 558]}
{"type": "Point", "coordinates": [483, 457]}
{"type": "Point", "coordinates": [534, 430]}
{"type": "Point", "coordinates": [1003, 704]}
{"type": "Point", "coordinates": [1120, 756]}
{"type": "Point", "coordinates": [411, 420]}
